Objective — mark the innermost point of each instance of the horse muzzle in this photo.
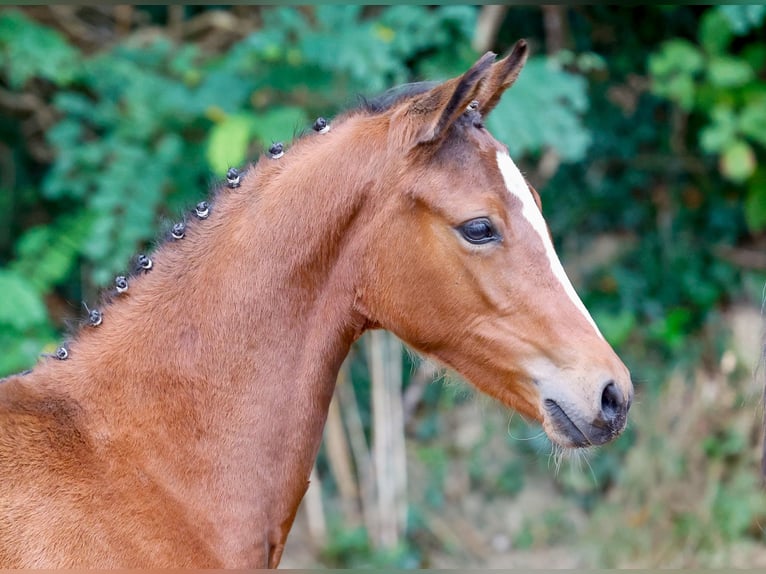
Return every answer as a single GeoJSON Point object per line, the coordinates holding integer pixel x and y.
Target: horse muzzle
{"type": "Point", "coordinates": [568, 425]}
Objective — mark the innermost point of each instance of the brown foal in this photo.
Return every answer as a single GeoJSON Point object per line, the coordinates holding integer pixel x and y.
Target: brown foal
{"type": "Point", "coordinates": [179, 427]}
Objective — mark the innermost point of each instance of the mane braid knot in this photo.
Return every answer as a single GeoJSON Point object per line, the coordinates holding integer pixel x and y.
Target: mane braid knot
{"type": "Point", "coordinates": [321, 126]}
{"type": "Point", "coordinates": [121, 283]}
{"type": "Point", "coordinates": [95, 317]}
{"type": "Point", "coordinates": [277, 150]}
{"type": "Point", "coordinates": [233, 177]}
{"type": "Point", "coordinates": [143, 263]}
{"type": "Point", "coordinates": [178, 231]}
{"type": "Point", "coordinates": [202, 210]}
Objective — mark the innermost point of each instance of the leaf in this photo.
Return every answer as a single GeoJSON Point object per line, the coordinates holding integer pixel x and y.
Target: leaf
{"type": "Point", "coordinates": [721, 131]}
{"type": "Point", "coordinates": [715, 33]}
{"type": "Point", "coordinates": [278, 124]}
{"type": "Point", "coordinates": [21, 306]}
{"type": "Point", "coordinates": [673, 70]}
{"type": "Point", "coordinates": [671, 328]}
{"type": "Point", "coordinates": [755, 55]}
{"type": "Point", "coordinates": [755, 204]}
{"type": "Point", "coordinates": [222, 89]}
{"type": "Point", "coordinates": [616, 327]}
{"type": "Point", "coordinates": [742, 18]}
{"type": "Point", "coordinates": [676, 56]}
{"type": "Point", "coordinates": [31, 50]}
{"type": "Point", "coordinates": [529, 118]}
{"type": "Point", "coordinates": [416, 28]}
{"type": "Point", "coordinates": [738, 161]}
{"type": "Point", "coordinates": [285, 18]}
{"type": "Point", "coordinates": [752, 120]}
{"type": "Point", "coordinates": [357, 53]}
{"type": "Point", "coordinates": [338, 17]}
{"type": "Point", "coordinates": [228, 142]}
{"type": "Point", "coordinates": [21, 350]}
{"type": "Point", "coordinates": [729, 72]}
{"type": "Point", "coordinates": [680, 89]}
{"type": "Point", "coordinates": [46, 253]}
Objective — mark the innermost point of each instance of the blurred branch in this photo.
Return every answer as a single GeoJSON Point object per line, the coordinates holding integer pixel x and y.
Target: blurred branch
{"type": "Point", "coordinates": [123, 19]}
{"type": "Point", "coordinates": [413, 394]}
{"type": "Point", "coordinates": [315, 511]}
{"type": "Point", "coordinates": [487, 25]}
{"type": "Point", "coordinates": [678, 121]}
{"type": "Point", "coordinates": [654, 162]}
{"type": "Point", "coordinates": [555, 25]}
{"type": "Point", "coordinates": [339, 458]}
{"type": "Point", "coordinates": [38, 117]}
{"type": "Point", "coordinates": [96, 27]}
{"type": "Point", "coordinates": [362, 458]}
{"type": "Point", "coordinates": [384, 354]}
{"type": "Point", "coordinates": [747, 258]}
{"type": "Point", "coordinates": [454, 531]}
{"type": "Point", "coordinates": [215, 30]}
{"type": "Point", "coordinates": [8, 189]}
{"type": "Point", "coordinates": [677, 163]}
{"type": "Point", "coordinates": [20, 101]}
{"type": "Point", "coordinates": [37, 147]}
{"type": "Point", "coordinates": [546, 168]}
{"type": "Point", "coordinates": [67, 19]}
{"type": "Point", "coordinates": [176, 14]}
{"type": "Point", "coordinates": [8, 171]}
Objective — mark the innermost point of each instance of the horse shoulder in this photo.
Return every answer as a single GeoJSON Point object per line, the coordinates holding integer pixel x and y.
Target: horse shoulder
{"type": "Point", "coordinates": [42, 449]}
{"type": "Point", "coordinates": [67, 502]}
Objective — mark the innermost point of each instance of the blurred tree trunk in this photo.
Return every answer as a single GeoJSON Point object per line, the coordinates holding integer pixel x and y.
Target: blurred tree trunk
{"type": "Point", "coordinates": [339, 458]}
{"type": "Point", "coordinates": [487, 25]}
{"type": "Point", "coordinates": [315, 514]}
{"type": "Point", "coordinates": [384, 354]}
{"type": "Point", "coordinates": [556, 28]}
{"type": "Point", "coordinates": [359, 448]}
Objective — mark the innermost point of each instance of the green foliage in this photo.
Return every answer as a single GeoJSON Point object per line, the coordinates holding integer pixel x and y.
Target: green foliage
{"type": "Point", "coordinates": [229, 140]}
{"type": "Point", "coordinates": [24, 327]}
{"type": "Point", "coordinates": [674, 69]}
{"type": "Point", "coordinates": [616, 326]}
{"type": "Point", "coordinates": [692, 493]}
{"type": "Point", "coordinates": [743, 17]}
{"type": "Point", "coordinates": [531, 119]}
{"type": "Point", "coordinates": [350, 548]}
{"type": "Point", "coordinates": [28, 50]}
{"type": "Point", "coordinates": [737, 506]}
{"type": "Point", "coordinates": [21, 306]}
{"type": "Point", "coordinates": [721, 85]}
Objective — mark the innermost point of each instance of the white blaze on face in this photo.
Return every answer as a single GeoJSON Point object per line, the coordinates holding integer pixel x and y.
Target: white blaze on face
{"type": "Point", "coordinates": [518, 187]}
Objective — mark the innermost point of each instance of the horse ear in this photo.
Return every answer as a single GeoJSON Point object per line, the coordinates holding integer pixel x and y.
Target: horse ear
{"type": "Point", "coordinates": [431, 114]}
{"type": "Point", "coordinates": [501, 77]}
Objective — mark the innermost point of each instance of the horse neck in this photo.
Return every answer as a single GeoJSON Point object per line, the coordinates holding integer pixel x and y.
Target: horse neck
{"type": "Point", "coordinates": [225, 354]}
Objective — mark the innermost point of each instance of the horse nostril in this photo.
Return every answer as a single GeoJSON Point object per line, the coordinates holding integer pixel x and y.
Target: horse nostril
{"type": "Point", "coordinates": [612, 403]}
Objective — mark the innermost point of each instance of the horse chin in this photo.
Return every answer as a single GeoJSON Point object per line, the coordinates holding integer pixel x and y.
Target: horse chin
{"type": "Point", "coordinates": [568, 430]}
{"type": "Point", "coordinates": [564, 438]}
{"type": "Point", "coordinates": [561, 429]}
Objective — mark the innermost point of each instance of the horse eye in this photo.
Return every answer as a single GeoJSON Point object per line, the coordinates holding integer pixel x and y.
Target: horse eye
{"type": "Point", "coordinates": [478, 231]}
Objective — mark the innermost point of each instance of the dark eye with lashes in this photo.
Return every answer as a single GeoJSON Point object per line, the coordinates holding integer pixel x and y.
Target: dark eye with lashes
{"type": "Point", "coordinates": [478, 231]}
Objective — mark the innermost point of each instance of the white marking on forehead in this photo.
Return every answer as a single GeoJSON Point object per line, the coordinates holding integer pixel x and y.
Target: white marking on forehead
{"type": "Point", "coordinates": [518, 187]}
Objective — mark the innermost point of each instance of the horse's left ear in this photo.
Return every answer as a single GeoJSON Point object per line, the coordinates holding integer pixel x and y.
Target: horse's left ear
{"type": "Point", "coordinates": [501, 76]}
{"type": "Point", "coordinates": [429, 116]}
